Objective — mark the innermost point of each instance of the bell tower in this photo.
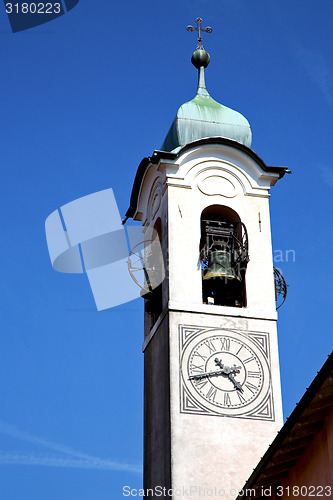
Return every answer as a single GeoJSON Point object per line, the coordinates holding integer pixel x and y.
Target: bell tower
{"type": "Point", "coordinates": [212, 382]}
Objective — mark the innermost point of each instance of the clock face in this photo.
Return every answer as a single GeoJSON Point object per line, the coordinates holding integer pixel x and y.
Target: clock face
{"type": "Point", "coordinates": [226, 372]}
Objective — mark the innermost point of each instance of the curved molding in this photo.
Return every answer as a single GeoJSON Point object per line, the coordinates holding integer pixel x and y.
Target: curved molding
{"type": "Point", "coordinates": [149, 195]}
{"type": "Point", "coordinates": [155, 198]}
{"type": "Point", "coordinates": [219, 185]}
{"type": "Point", "coordinates": [226, 174]}
{"type": "Point", "coordinates": [218, 148]}
{"type": "Point", "coordinates": [223, 153]}
{"type": "Point", "coordinates": [252, 177]}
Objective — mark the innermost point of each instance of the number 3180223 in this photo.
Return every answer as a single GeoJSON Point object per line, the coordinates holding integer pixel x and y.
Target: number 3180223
{"type": "Point", "coordinates": [304, 491]}
{"type": "Point", "coordinates": [33, 8]}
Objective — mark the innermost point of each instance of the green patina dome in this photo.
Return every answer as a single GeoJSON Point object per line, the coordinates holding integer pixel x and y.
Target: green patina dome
{"type": "Point", "coordinates": [203, 117]}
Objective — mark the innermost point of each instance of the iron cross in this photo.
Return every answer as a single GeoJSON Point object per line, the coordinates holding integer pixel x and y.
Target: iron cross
{"type": "Point", "coordinates": [199, 30]}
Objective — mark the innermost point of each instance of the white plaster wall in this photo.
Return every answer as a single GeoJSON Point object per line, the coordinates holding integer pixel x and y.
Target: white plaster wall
{"type": "Point", "coordinates": [213, 451]}
{"type": "Point", "coordinates": [219, 452]}
{"type": "Point", "coordinates": [247, 194]}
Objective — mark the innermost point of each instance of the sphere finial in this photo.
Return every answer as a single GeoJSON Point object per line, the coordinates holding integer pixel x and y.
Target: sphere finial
{"type": "Point", "coordinates": [200, 58]}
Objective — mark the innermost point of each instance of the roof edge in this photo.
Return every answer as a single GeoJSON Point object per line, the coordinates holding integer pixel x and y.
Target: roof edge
{"type": "Point", "coordinates": [165, 155]}
{"type": "Point", "coordinates": [301, 406]}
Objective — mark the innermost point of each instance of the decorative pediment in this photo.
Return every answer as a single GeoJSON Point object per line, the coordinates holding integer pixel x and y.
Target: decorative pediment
{"type": "Point", "coordinates": [220, 170]}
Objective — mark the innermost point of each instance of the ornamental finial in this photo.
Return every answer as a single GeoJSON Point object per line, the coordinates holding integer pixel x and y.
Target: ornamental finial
{"type": "Point", "coordinates": [199, 30]}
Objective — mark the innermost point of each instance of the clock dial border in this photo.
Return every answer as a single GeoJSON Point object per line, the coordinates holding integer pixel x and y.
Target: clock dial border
{"type": "Point", "coordinates": [218, 395]}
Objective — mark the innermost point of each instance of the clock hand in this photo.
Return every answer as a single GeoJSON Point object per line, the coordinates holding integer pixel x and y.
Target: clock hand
{"type": "Point", "coordinates": [230, 371]}
{"type": "Point", "coordinates": [214, 374]}
{"type": "Point", "coordinates": [206, 374]}
{"type": "Point", "coordinates": [236, 384]}
{"type": "Point", "coordinates": [226, 369]}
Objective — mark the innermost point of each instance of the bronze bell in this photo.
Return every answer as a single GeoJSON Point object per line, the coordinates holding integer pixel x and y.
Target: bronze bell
{"type": "Point", "coordinates": [219, 266]}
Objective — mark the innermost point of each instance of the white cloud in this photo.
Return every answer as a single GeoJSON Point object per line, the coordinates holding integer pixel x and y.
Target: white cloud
{"type": "Point", "coordinates": [317, 69]}
{"type": "Point", "coordinates": [74, 459]}
{"type": "Point", "coordinates": [312, 60]}
{"type": "Point", "coordinates": [327, 174]}
{"type": "Point", "coordinates": [18, 458]}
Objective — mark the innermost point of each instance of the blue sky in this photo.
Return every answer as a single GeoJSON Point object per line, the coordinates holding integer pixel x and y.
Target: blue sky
{"type": "Point", "coordinates": [83, 99]}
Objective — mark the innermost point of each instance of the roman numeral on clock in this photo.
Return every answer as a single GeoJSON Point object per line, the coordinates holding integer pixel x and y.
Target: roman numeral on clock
{"type": "Point", "coordinates": [210, 345]}
{"type": "Point", "coordinates": [211, 393]}
{"type": "Point", "coordinates": [241, 398]}
{"type": "Point", "coordinates": [225, 344]}
{"type": "Point", "coordinates": [198, 368]}
{"type": "Point", "coordinates": [253, 374]}
{"type": "Point", "coordinates": [199, 384]}
{"type": "Point", "coordinates": [226, 399]}
{"type": "Point", "coordinates": [251, 387]}
{"type": "Point", "coordinates": [247, 360]}
{"type": "Point", "coordinates": [239, 350]}
{"type": "Point", "coordinates": [200, 356]}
